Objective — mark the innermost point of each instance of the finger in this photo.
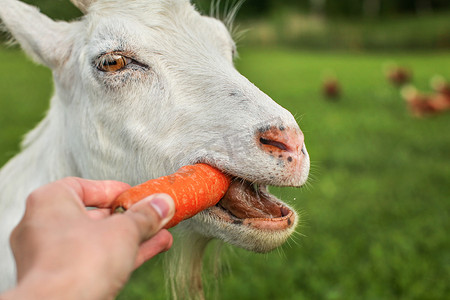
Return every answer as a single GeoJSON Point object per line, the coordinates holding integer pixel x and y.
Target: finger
{"type": "Point", "coordinates": [95, 193]}
{"type": "Point", "coordinates": [161, 242]}
{"type": "Point", "coordinates": [49, 197]}
{"type": "Point", "coordinates": [150, 215]}
{"type": "Point", "coordinates": [76, 192]}
{"type": "Point", "coordinates": [98, 214]}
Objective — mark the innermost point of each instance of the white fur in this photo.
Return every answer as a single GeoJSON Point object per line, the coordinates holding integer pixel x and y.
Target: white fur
{"type": "Point", "coordinates": [188, 105]}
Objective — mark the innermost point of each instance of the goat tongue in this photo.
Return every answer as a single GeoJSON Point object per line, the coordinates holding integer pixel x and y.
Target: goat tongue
{"type": "Point", "coordinates": [244, 200]}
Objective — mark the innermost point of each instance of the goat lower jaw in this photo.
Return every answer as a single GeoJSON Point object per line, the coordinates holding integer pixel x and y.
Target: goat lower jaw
{"type": "Point", "coordinates": [251, 205]}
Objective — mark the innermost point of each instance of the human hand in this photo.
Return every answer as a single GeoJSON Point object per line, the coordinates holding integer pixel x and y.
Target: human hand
{"type": "Point", "coordinates": [64, 251]}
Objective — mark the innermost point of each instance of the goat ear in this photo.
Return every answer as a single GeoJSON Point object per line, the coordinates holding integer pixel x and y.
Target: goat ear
{"type": "Point", "coordinates": [46, 41]}
{"type": "Point", "coordinates": [82, 5]}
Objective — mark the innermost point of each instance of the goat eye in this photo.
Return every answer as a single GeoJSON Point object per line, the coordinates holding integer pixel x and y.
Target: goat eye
{"type": "Point", "coordinates": [113, 62]}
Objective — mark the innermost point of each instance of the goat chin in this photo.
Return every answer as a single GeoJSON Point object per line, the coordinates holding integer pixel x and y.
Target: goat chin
{"type": "Point", "coordinates": [184, 262]}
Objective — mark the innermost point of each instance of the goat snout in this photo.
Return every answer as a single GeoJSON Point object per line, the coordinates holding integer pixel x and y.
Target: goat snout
{"type": "Point", "coordinates": [286, 144]}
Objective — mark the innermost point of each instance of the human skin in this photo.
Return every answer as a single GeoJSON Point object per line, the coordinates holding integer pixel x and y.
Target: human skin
{"type": "Point", "coordinates": [64, 251]}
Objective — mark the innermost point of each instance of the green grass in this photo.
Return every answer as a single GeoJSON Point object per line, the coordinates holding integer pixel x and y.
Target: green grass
{"type": "Point", "coordinates": [375, 216]}
{"type": "Point", "coordinates": [427, 31]}
{"type": "Point", "coordinates": [25, 90]}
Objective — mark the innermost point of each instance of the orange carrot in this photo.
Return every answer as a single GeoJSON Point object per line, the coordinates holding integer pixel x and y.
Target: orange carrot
{"type": "Point", "coordinates": [193, 189]}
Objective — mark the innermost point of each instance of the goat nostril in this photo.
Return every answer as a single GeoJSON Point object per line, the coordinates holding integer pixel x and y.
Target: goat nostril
{"type": "Point", "coordinates": [276, 144]}
{"type": "Point", "coordinates": [281, 141]}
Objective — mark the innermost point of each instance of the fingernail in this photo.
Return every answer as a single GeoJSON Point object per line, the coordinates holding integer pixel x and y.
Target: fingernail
{"type": "Point", "coordinates": [162, 205]}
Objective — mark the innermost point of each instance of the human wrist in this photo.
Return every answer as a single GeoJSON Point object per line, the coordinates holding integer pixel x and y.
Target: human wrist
{"type": "Point", "coordinates": [44, 286]}
{"type": "Point", "coordinates": [8, 295]}
{"type": "Point", "coordinates": [17, 293]}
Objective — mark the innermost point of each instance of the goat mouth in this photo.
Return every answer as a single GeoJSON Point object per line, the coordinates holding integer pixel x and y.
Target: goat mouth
{"type": "Point", "coordinates": [251, 205]}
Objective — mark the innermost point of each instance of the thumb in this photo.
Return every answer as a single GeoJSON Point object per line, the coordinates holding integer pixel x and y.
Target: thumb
{"type": "Point", "coordinates": [151, 214]}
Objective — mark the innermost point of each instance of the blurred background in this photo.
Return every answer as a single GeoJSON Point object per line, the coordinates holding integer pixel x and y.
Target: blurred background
{"type": "Point", "coordinates": [368, 83]}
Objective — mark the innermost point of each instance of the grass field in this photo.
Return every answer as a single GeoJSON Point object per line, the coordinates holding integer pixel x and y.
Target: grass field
{"type": "Point", "coordinates": [427, 31]}
{"type": "Point", "coordinates": [375, 215]}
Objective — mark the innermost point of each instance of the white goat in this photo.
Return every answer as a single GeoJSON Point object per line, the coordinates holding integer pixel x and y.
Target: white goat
{"type": "Point", "coordinates": [143, 87]}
